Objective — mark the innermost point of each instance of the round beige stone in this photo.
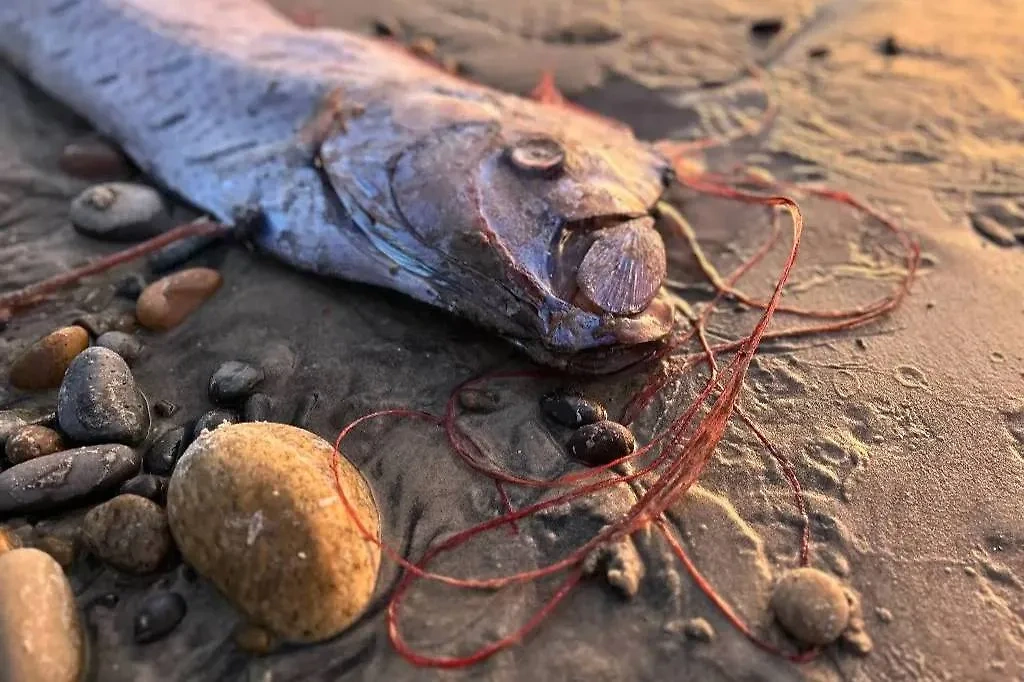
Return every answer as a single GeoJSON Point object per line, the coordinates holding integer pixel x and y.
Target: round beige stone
{"type": "Point", "coordinates": [811, 606]}
{"type": "Point", "coordinates": [253, 507]}
{"type": "Point", "coordinates": [42, 365]}
{"type": "Point", "coordinates": [41, 636]}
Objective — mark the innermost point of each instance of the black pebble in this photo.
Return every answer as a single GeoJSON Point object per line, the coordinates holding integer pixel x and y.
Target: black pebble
{"type": "Point", "coordinates": [818, 52]}
{"type": "Point", "coordinates": [126, 345]}
{"type": "Point", "coordinates": [600, 443]}
{"type": "Point", "coordinates": [64, 478]}
{"type": "Point", "coordinates": [211, 420]}
{"type": "Point", "coordinates": [233, 382]}
{"type": "Point", "coordinates": [148, 486]}
{"type": "Point", "coordinates": [163, 454]}
{"type": "Point", "coordinates": [164, 408]}
{"type": "Point", "coordinates": [304, 410]}
{"type": "Point", "coordinates": [98, 401]}
{"type": "Point", "coordinates": [107, 601]}
{"type": "Point", "coordinates": [130, 287]}
{"type": "Point", "coordinates": [258, 408]}
{"type": "Point", "coordinates": [890, 47]}
{"type": "Point", "coordinates": [158, 614]}
{"type": "Point", "coordinates": [178, 253]}
{"type": "Point", "coordinates": [766, 28]}
{"type": "Point", "coordinates": [571, 409]}
{"type": "Point", "coordinates": [386, 28]}
{"type": "Point", "coordinates": [479, 400]}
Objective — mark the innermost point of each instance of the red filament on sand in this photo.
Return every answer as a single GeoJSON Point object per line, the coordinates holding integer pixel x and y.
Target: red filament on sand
{"type": "Point", "coordinates": [677, 455]}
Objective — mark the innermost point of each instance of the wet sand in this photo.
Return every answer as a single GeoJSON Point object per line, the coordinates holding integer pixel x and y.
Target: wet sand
{"type": "Point", "coordinates": [908, 435]}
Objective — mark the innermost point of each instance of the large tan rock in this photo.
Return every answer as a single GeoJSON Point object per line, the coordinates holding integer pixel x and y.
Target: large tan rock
{"type": "Point", "coordinates": [254, 508]}
{"type": "Point", "coordinates": [40, 632]}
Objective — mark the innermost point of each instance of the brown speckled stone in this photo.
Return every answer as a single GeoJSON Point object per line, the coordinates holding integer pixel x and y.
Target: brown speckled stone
{"type": "Point", "coordinates": [253, 507]}
{"type": "Point", "coordinates": [40, 632]}
{"type": "Point", "coordinates": [32, 441]}
{"type": "Point", "coordinates": [166, 303]}
{"type": "Point", "coordinates": [129, 532]}
{"type": "Point", "coordinates": [42, 365]}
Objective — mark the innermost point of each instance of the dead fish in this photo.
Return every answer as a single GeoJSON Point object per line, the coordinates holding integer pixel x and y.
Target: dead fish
{"type": "Point", "coordinates": [370, 165]}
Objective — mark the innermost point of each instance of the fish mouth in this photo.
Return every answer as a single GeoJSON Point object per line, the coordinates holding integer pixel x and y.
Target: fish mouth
{"type": "Point", "coordinates": [608, 309]}
{"type": "Point", "coordinates": [608, 264]}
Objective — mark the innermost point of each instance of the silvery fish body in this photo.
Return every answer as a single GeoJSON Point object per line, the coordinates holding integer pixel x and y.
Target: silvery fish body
{"type": "Point", "coordinates": [371, 165]}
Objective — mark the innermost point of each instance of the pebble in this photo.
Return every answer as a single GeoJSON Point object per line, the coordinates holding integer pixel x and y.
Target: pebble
{"type": "Point", "coordinates": [890, 47]}
{"type": "Point", "coordinates": [176, 254]}
{"type": "Point", "coordinates": [32, 441]}
{"type": "Point", "coordinates": [61, 549]}
{"type": "Point", "coordinates": [233, 382]}
{"type": "Point", "coordinates": [130, 287]}
{"type": "Point", "coordinates": [41, 636]}
{"type": "Point", "coordinates": [479, 400]}
{"type": "Point", "coordinates": [108, 601]}
{"type": "Point", "coordinates": [42, 365]}
{"type": "Point", "coordinates": [9, 423]}
{"type": "Point", "coordinates": [119, 211]}
{"type": "Point", "coordinates": [158, 615]}
{"type": "Point", "coordinates": [572, 409]}
{"type": "Point", "coordinates": [258, 408]}
{"type": "Point", "coordinates": [811, 606]}
{"type": "Point", "coordinates": [304, 410]}
{"type": "Point", "coordinates": [66, 477]}
{"type": "Point", "coordinates": [164, 408]}
{"type": "Point", "coordinates": [387, 28]}
{"type": "Point", "coordinates": [212, 420]}
{"type": "Point", "coordinates": [166, 303]}
{"type": "Point", "coordinates": [699, 630]}
{"type": "Point", "coordinates": [766, 28]}
{"type": "Point", "coordinates": [600, 443]}
{"type": "Point", "coordinates": [129, 533]}
{"type": "Point", "coordinates": [98, 401]}
{"type": "Point", "coordinates": [254, 639]}
{"type": "Point", "coordinates": [94, 160]}
{"type": "Point", "coordinates": [99, 324]}
{"type": "Point", "coordinates": [163, 454]}
{"type": "Point", "coordinates": [147, 485]}
{"type": "Point", "coordinates": [855, 637]}
{"type": "Point", "coordinates": [254, 509]}
{"type": "Point", "coordinates": [126, 345]}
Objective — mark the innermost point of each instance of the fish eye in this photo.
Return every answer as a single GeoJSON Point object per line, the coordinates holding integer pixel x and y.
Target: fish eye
{"type": "Point", "coordinates": [540, 156]}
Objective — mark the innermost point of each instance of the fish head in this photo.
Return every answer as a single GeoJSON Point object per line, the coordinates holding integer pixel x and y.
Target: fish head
{"type": "Point", "coordinates": [541, 225]}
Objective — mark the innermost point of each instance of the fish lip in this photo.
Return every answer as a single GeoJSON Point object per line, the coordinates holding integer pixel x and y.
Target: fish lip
{"type": "Point", "coordinates": [577, 341]}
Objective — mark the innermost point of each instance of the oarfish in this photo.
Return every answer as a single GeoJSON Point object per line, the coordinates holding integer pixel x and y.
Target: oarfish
{"type": "Point", "coordinates": [371, 165]}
